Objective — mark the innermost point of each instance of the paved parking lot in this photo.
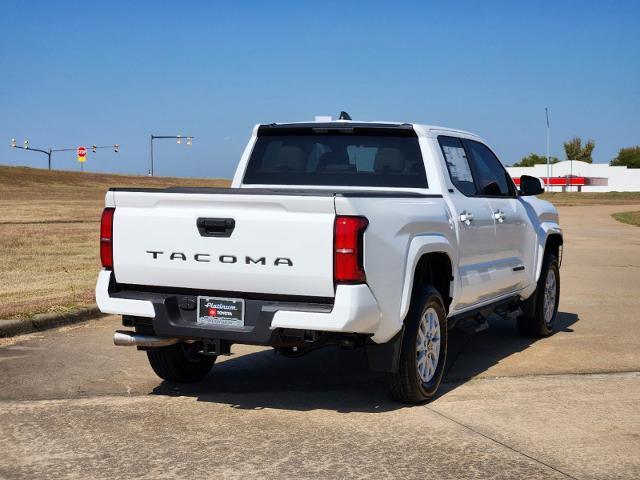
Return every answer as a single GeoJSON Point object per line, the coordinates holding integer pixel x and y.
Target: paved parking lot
{"type": "Point", "coordinates": [74, 406]}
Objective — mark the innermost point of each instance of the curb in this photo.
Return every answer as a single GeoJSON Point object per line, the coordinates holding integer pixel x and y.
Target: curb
{"type": "Point", "coordinates": [45, 321]}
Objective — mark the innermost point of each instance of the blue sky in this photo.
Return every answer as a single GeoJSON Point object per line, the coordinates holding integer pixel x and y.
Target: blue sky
{"type": "Point", "coordinates": [77, 73]}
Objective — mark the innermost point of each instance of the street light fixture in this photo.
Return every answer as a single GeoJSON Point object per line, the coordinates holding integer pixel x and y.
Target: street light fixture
{"type": "Point", "coordinates": [177, 138]}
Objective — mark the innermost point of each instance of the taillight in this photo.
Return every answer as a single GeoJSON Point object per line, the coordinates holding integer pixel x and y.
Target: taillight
{"type": "Point", "coordinates": [348, 248]}
{"type": "Point", "coordinates": [106, 237]}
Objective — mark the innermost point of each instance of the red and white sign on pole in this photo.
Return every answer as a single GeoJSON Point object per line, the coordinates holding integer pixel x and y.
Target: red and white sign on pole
{"type": "Point", "coordinates": [82, 154]}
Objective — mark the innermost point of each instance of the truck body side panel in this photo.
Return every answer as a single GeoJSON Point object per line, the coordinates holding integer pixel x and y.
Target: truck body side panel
{"type": "Point", "coordinates": [394, 225]}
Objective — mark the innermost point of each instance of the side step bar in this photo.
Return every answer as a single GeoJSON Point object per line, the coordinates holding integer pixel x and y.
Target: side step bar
{"type": "Point", "coordinates": [132, 339]}
{"type": "Point", "coordinates": [506, 307]}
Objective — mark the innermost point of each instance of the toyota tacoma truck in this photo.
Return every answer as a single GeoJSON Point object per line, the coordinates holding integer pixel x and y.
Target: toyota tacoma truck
{"type": "Point", "coordinates": [380, 236]}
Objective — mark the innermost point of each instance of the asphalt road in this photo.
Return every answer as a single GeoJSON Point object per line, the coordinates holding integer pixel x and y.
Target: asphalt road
{"type": "Point", "coordinates": [74, 406]}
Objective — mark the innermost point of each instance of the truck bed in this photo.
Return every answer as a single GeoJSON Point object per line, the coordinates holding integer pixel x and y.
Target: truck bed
{"type": "Point", "coordinates": [296, 192]}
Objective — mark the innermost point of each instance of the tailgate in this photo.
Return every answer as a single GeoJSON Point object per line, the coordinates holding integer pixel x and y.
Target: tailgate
{"type": "Point", "coordinates": [270, 244]}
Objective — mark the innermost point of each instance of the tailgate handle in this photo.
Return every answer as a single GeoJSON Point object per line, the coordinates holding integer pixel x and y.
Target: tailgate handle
{"type": "Point", "coordinates": [216, 227]}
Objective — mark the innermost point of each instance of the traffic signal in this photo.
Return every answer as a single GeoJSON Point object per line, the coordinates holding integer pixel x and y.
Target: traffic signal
{"type": "Point", "coordinates": [13, 143]}
{"type": "Point", "coordinates": [116, 147]}
{"type": "Point", "coordinates": [94, 148]}
{"type": "Point", "coordinates": [26, 144]}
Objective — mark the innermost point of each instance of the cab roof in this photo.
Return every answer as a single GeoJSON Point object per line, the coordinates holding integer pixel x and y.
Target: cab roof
{"type": "Point", "coordinates": [395, 127]}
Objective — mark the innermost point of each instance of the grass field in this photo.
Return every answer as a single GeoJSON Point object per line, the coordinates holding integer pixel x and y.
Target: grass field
{"type": "Point", "coordinates": [49, 227]}
{"type": "Point", "coordinates": [49, 224]}
{"type": "Point", "coordinates": [632, 218]}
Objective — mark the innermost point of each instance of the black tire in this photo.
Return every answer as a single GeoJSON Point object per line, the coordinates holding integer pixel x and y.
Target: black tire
{"type": "Point", "coordinates": [407, 385]}
{"type": "Point", "coordinates": [180, 363]}
{"type": "Point", "coordinates": [532, 322]}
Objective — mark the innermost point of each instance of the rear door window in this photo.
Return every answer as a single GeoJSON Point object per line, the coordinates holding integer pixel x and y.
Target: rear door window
{"type": "Point", "coordinates": [458, 165]}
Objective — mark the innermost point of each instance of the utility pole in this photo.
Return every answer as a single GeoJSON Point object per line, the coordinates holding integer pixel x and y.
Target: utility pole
{"type": "Point", "coordinates": [177, 138]}
{"type": "Point", "coordinates": [546, 112]}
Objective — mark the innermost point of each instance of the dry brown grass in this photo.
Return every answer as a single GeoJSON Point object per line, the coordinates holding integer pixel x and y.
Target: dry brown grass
{"type": "Point", "coordinates": [49, 232]}
{"type": "Point", "coordinates": [49, 225]}
{"type": "Point", "coordinates": [568, 199]}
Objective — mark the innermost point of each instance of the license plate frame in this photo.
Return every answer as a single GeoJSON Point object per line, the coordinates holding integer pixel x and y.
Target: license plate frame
{"type": "Point", "coordinates": [220, 311]}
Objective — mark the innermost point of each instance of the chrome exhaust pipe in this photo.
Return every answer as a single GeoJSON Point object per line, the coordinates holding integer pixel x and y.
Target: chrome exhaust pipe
{"type": "Point", "coordinates": [132, 339]}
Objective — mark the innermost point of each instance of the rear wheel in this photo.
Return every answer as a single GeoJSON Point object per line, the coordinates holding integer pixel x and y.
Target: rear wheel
{"type": "Point", "coordinates": [424, 350]}
{"type": "Point", "coordinates": [181, 362]}
{"type": "Point", "coordinates": [541, 309]}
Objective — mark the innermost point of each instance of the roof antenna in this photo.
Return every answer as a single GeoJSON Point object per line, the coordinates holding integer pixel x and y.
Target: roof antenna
{"type": "Point", "coordinates": [344, 116]}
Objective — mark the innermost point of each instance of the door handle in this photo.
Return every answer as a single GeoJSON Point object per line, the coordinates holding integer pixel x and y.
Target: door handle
{"type": "Point", "coordinates": [466, 218]}
{"type": "Point", "coordinates": [215, 227]}
{"type": "Point", "coordinates": [499, 216]}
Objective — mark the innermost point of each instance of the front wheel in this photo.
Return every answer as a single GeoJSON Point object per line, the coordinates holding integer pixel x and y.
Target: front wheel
{"type": "Point", "coordinates": [181, 362]}
{"type": "Point", "coordinates": [541, 309]}
{"type": "Point", "coordinates": [424, 350]}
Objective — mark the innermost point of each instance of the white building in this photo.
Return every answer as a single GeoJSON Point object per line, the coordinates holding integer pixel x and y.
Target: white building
{"type": "Point", "coordinates": [576, 176]}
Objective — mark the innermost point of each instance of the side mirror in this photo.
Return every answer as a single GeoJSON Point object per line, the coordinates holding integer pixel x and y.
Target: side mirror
{"type": "Point", "coordinates": [530, 185]}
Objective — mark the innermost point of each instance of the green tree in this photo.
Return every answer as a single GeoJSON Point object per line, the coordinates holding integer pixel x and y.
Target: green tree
{"type": "Point", "coordinates": [627, 157]}
{"type": "Point", "coordinates": [533, 159]}
{"type": "Point", "coordinates": [576, 151]}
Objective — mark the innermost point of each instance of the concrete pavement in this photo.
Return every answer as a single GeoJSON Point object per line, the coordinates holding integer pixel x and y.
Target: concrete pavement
{"type": "Point", "coordinates": [74, 406]}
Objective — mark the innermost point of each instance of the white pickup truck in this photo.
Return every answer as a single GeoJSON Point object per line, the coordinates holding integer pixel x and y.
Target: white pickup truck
{"type": "Point", "coordinates": [370, 235]}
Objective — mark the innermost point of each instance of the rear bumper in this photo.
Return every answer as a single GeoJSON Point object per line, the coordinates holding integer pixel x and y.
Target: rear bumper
{"type": "Point", "coordinates": [354, 310]}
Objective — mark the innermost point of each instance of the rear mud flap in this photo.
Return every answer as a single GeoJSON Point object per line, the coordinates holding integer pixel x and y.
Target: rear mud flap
{"type": "Point", "coordinates": [385, 357]}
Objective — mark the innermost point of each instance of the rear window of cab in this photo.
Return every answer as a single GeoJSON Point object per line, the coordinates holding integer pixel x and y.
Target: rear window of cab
{"type": "Point", "coordinates": [335, 158]}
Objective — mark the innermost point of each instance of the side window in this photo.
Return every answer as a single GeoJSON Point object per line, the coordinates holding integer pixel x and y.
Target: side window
{"type": "Point", "coordinates": [489, 173]}
{"type": "Point", "coordinates": [458, 164]}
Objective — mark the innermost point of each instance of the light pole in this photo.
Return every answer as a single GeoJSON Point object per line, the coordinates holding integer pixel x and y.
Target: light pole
{"type": "Point", "coordinates": [546, 112]}
{"type": "Point", "coordinates": [177, 138]}
{"type": "Point", "coordinates": [571, 171]}
{"type": "Point", "coordinates": [48, 153]}
{"type": "Point", "coordinates": [26, 147]}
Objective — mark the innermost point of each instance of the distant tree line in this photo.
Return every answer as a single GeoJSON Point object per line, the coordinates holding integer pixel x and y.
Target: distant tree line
{"type": "Point", "coordinates": [574, 149]}
{"type": "Point", "coordinates": [533, 158]}
{"type": "Point", "coordinates": [627, 157]}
